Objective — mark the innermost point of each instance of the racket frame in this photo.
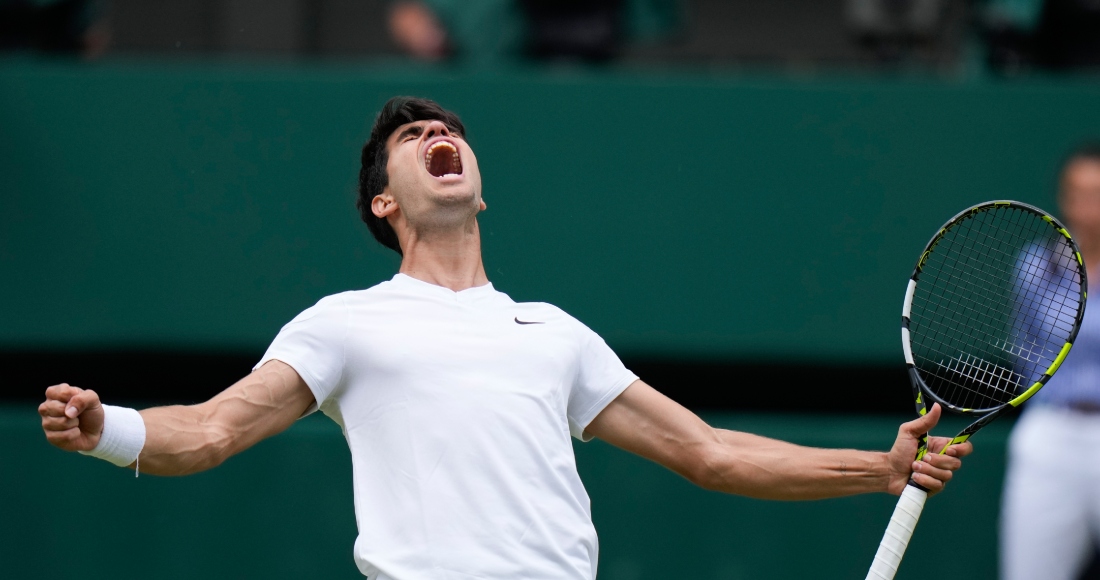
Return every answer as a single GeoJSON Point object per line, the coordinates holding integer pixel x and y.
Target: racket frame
{"type": "Point", "coordinates": [911, 503]}
{"type": "Point", "coordinates": [921, 393]}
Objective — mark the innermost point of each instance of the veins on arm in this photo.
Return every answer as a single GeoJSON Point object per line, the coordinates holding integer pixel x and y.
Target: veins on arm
{"type": "Point", "coordinates": [647, 423]}
{"type": "Point", "coordinates": [767, 468]}
{"type": "Point", "coordinates": [186, 439]}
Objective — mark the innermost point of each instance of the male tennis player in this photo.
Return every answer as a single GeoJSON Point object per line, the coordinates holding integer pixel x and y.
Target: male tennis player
{"type": "Point", "coordinates": [458, 403]}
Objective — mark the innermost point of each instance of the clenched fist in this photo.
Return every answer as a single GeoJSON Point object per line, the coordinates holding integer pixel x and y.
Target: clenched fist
{"type": "Point", "coordinates": [72, 418]}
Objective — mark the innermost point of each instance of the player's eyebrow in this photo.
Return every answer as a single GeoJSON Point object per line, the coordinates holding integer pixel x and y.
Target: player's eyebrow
{"type": "Point", "coordinates": [412, 131]}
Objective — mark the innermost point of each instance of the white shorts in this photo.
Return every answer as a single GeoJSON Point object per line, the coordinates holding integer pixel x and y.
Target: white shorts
{"type": "Point", "coordinates": [1050, 517]}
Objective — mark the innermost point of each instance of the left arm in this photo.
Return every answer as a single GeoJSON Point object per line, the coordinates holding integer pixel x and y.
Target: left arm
{"type": "Point", "coordinates": [647, 423]}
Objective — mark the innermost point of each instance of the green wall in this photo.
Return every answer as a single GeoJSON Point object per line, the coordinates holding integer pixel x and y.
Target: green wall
{"type": "Point", "coordinates": [284, 510]}
{"type": "Point", "coordinates": [202, 205]}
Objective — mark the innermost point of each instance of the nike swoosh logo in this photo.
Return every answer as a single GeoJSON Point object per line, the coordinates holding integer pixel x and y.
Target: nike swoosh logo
{"type": "Point", "coordinates": [518, 321]}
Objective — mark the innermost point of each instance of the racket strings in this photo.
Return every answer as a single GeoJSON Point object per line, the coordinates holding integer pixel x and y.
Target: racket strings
{"type": "Point", "coordinates": [1050, 269]}
{"type": "Point", "coordinates": [998, 297]}
{"type": "Point", "coordinates": [971, 314]}
{"type": "Point", "coordinates": [988, 374]}
{"type": "Point", "coordinates": [1031, 286]}
{"type": "Point", "coordinates": [980, 315]}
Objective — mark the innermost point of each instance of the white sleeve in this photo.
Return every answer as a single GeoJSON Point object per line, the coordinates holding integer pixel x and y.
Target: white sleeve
{"type": "Point", "coordinates": [313, 345]}
{"type": "Point", "coordinates": [600, 378]}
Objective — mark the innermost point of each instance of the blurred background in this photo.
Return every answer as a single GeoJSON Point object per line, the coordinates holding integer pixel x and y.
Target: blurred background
{"type": "Point", "coordinates": [732, 193]}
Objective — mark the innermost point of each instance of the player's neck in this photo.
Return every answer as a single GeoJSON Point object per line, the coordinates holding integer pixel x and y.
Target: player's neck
{"type": "Point", "coordinates": [451, 258]}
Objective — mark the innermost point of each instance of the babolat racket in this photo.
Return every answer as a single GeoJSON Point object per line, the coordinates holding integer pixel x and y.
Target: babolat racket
{"type": "Point", "coordinates": [990, 313]}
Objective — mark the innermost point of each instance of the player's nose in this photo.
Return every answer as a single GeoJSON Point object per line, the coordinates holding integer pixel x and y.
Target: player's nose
{"type": "Point", "coordinates": [436, 129]}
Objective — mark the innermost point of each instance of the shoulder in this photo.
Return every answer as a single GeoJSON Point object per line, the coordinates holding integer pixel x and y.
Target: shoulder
{"type": "Point", "coordinates": [343, 300]}
{"type": "Point", "coordinates": [327, 307]}
{"type": "Point", "coordinates": [340, 302]}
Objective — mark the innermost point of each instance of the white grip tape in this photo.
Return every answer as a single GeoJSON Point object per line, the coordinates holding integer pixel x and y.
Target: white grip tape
{"type": "Point", "coordinates": [897, 535]}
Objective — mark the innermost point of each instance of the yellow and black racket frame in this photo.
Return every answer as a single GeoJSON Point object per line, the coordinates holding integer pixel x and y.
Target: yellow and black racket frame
{"type": "Point", "coordinates": [922, 395]}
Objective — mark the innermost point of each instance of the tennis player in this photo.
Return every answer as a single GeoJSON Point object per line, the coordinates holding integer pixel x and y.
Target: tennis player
{"type": "Point", "coordinates": [458, 403]}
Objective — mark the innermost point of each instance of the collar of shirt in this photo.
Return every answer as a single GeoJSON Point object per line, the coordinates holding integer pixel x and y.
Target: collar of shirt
{"type": "Point", "coordinates": [467, 296]}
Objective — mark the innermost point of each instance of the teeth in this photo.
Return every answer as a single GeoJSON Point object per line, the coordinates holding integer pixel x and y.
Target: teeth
{"type": "Point", "coordinates": [431, 152]}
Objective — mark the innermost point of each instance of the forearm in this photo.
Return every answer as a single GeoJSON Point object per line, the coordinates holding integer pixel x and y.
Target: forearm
{"type": "Point", "coordinates": [181, 440]}
{"type": "Point", "coordinates": [764, 468]}
{"type": "Point", "coordinates": [643, 421]}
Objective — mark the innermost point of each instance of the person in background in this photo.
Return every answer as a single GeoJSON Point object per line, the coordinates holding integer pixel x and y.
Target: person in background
{"type": "Point", "coordinates": [490, 31]}
{"type": "Point", "coordinates": [1050, 518]}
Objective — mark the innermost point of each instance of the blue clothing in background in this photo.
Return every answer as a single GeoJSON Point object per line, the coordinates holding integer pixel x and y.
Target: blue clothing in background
{"type": "Point", "coordinates": [1041, 285]}
{"type": "Point", "coordinates": [1077, 382]}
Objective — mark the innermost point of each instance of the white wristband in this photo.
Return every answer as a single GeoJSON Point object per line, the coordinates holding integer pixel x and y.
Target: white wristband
{"type": "Point", "coordinates": [123, 436]}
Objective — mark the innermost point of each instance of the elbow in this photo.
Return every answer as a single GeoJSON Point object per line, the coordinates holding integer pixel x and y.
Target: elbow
{"type": "Point", "coordinates": [708, 466]}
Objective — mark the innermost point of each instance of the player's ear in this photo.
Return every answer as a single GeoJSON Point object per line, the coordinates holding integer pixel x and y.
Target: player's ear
{"type": "Point", "coordinates": [482, 206]}
{"type": "Point", "coordinates": [383, 204]}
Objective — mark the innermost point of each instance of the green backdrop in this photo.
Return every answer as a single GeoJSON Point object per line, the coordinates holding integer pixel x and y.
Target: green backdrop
{"type": "Point", "coordinates": [680, 214]}
{"type": "Point", "coordinates": [284, 510]}
{"type": "Point", "coordinates": [201, 206]}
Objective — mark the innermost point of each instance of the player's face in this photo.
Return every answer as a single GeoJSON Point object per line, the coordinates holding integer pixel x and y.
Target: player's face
{"type": "Point", "coordinates": [1080, 199]}
{"type": "Point", "coordinates": [431, 168]}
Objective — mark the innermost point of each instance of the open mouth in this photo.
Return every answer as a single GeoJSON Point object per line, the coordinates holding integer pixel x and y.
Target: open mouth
{"type": "Point", "coordinates": [442, 159]}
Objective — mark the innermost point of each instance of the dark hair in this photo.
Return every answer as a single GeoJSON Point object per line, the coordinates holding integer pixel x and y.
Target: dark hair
{"type": "Point", "coordinates": [1087, 151]}
{"type": "Point", "coordinates": [372, 173]}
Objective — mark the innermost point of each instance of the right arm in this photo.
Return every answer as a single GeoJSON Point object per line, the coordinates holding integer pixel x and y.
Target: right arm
{"type": "Point", "coordinates": [180, 440]}
{"type": "Point", "coordinates": [646, 422]}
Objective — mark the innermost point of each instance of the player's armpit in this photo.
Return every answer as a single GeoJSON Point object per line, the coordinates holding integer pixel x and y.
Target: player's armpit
{"type": "Point", "coordinates": [187, 439]}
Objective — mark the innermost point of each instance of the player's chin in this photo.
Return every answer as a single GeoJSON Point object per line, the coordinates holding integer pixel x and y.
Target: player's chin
{"type": "Point", "coordinates": [456, 195]}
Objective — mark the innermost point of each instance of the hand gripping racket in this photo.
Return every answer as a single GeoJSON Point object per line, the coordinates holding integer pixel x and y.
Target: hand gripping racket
{"type": "Point", "coordinates": [990, 313]}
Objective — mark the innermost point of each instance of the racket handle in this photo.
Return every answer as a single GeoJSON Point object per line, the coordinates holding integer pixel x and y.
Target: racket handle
{"type": "Point", "coordinates": [897, 535]}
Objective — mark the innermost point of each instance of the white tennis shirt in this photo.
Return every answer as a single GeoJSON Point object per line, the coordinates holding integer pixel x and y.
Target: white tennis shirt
{"type": "Point", "coordinates": [458, 407]}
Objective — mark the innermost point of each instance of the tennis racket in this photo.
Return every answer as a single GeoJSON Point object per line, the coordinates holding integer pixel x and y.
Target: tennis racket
{"type": "Point", "coordinates": [990, 313]}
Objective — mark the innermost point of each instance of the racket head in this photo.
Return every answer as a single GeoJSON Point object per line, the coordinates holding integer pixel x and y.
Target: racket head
{"type": "Point", "coordinates": [992, 308]}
